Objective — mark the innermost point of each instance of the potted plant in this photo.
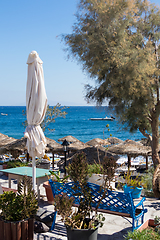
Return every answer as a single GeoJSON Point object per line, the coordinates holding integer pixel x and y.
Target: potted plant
{"type": "Point", "coordinates": [132, 184]}
{"type": "Point", "coordinates": [96, 174]}
{"type": "Point", "coordinates": [148, 230]}
{"type": "Point", "coordinates": [17, 211]}
{"type": "Point", "coordinates": [55, 176]}
{"type": "Point", "coordinates": [82, 223]}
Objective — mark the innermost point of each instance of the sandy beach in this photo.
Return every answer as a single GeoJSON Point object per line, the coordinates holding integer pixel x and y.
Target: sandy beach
{"type": "Point", "coordinates": [114, 228]}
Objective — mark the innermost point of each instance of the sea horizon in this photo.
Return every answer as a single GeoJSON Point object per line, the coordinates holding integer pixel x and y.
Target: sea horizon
{"type": "Point", "coordinates": [77, 123]}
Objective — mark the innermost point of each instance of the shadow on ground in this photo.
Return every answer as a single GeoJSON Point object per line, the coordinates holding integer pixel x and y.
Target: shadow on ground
{"type": "Point", "coordinates": [116, 236]}
{"type": "Point", "coordinates": [154, 204]}
{"type": "Point", "coordinates": [58, 233]}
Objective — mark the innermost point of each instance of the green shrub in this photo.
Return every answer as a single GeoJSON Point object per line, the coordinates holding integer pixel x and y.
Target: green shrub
{"type": "Point", "coordinates": [146, 234]}
{"type": "Point", "coordinates": [83, 216]}
{"type": "Point", "coordinates": [16, 206]}
{"type": "Point", "coordinates": [147, 178]}
{"type": "Point", "coordinates": [15, 163]}
{"type": "Point", "coordinates": [131, 181]}
{"type": "Point", "coordinates": [94, 168]}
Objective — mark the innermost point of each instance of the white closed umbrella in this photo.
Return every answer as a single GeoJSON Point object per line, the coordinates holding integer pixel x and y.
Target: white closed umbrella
{"type": "Point", "coordinates": [36, 105]}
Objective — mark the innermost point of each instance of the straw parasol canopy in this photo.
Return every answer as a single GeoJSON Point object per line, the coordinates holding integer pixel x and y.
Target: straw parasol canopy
{"type": "Point", "coordinates": [93, 154]}
{"type": "Point", "coordinates": [53, 146]}
{"type": "Point", "coordinates": [97, 142]}
{"type": "Point", "coordinates": [114, 140]}
{"type": "Point", "coordinates": [16, 147]}
{"type": "Point", "coordinates": [4, 139]}
{"type": "Point", "coordinates": [69, 139]}
{"type": "Point", "coordinates": [20, 145]}
{"type": "Point", "coordinates": [131, 149]}
{"type": "Point", "coordinates": [75, 146]}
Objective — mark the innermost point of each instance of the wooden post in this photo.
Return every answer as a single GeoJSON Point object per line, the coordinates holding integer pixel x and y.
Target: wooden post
{"type": "Point", "coordinates": [30, 228]}
{"type": "Point", "coordinates": [53, 161]}
{"type": "Point", "coordinates": [1, 230]}
{"type": "Point", "coordinates": [27, 156]}
{"type": "Point", "coordinates": [147, 162]}
{"type": "Point", "coordinates": [7, 231]}
{"type": "Point", "coordinates": [24, 226]}
{"type": "Point", "coordinates": [65, 162]}
{"type": "Point", "coordinates": [18, 230]}
{"type": "Point", "coordinates": [14, 230]}
{"type": "Point", "coordinates": [129, 161]}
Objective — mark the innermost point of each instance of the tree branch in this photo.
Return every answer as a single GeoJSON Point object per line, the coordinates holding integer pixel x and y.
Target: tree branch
{"type": "Point", "coordinates": [148, 136]}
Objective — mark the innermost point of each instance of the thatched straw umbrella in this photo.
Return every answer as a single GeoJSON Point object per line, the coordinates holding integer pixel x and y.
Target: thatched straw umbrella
{"type": "Point", "coordinates": [73, 144]}
{"type": "Point", "coordinates": [18, 146]}
{"type": "Point", "coordinates": [69, 139]}
{"type": "Point", "coordinates": [114, 140]}
{"type": "Point", "coordinates": [76, 146]}
{"type": "Point", "coordinates": [54, 147]}
{"type": "Point", "coordinates": [93, 154]}
{"type": "Point", "coordinates": [131, 149]}
{"type": "Point", "coordinates": [97, 142]}
{"type": "Point", "coordinates": [4, 139]}
{"type": "Point", "coordinates": [14, 146]}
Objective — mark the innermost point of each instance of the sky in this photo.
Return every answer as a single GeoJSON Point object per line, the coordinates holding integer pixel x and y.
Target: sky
{"type": "Point", "coordinates": [27, 25]}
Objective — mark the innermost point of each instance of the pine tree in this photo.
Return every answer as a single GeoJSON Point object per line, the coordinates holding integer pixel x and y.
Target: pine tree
{"type": "Point", "coordinates": [117, 43]}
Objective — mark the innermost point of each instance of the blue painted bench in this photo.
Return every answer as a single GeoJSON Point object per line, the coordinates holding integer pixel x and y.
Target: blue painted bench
{"type": "Point", "coordinates": [114, 202]}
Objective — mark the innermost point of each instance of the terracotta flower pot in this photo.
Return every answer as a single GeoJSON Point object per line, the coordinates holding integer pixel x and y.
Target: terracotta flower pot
{"type": "Point", "coordinates": [49, 193]}
{"type": "Point", "coordinates": [149, 222]}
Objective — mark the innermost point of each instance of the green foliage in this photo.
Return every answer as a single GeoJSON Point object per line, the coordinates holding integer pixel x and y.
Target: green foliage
{"type": "Point", "coordinates": [118, 44]}
{"type": "Point", "coordinates": [78, 170]}
{"type": "Point", "coordinates": [94, 168]}
{"type": "Point", "coordinates": [75, 219]}
{"type": "Point", "coordinates": [51, 114]}
{"type": "Point", "coordinates": [109, 166]}
{"type": "Point", "coordinates": [157, 220]}
{"type": "Point", "coordinates": [15, 163]}
{"type": "Point", "coordinates": [130, 181]}
{"type": "Point", "coordinates": [20, 205]}
{"type": "Point", "coordinates": [146, 234]}
{"type": "Point", "coordinates": [148, 178]}
{"type": "Point", "coordinates": [57, 176]}
{"type": "Point", "coordinates": [64, 207]}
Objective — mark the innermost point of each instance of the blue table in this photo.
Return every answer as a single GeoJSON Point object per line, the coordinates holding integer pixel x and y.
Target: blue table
{"type": "Point", "coordinates": [17, 173]}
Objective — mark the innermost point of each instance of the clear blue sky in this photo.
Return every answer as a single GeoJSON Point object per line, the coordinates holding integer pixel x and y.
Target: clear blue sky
{"type": "Point", "coordinates": [27, 25]}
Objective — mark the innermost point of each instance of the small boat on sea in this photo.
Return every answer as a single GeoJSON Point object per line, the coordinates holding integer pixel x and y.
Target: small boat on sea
{"type": "Point", "coordinates": [4, 114]}
{"type": "Point", "coordinates": [106, 119]}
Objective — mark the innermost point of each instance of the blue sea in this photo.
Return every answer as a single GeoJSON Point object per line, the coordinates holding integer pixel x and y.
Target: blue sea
{"type": "Point", "coordinates": [77, 123]}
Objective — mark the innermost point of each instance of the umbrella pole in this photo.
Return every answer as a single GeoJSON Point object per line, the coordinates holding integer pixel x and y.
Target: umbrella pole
{"type": "Point", "coordinates": [34, 173]}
